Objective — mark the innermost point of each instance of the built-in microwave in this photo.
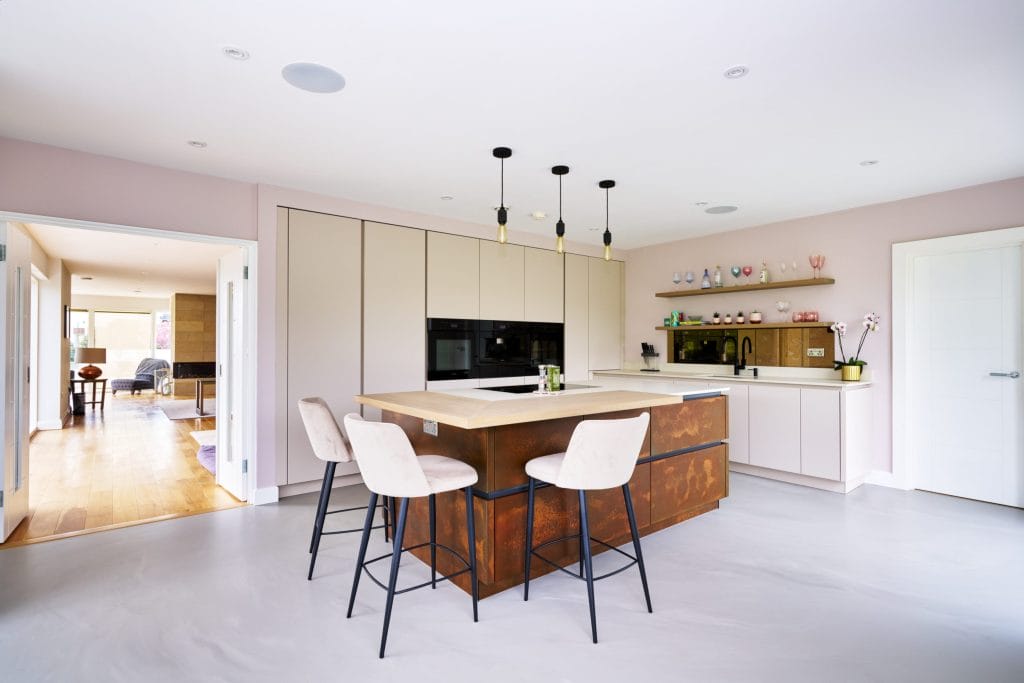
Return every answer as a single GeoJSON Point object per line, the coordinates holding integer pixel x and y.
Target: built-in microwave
{"type": "Point", "coordinates": [451, 349]}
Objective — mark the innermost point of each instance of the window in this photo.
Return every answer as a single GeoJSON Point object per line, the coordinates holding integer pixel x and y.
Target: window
{"type": "Point", "coordinates": [79, 331]}
{"type": "Point", "coordinates": [127, 337]}
{"type": "Point", "coordinates": [162, 335]}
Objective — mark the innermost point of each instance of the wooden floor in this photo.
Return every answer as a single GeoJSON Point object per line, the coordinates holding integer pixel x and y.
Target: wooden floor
{"type": "Point", "coordinates": [127, 464]}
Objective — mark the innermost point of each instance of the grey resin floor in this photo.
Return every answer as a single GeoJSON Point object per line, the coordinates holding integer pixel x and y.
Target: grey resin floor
{"type": "Point", "coordinates": [782, 583]}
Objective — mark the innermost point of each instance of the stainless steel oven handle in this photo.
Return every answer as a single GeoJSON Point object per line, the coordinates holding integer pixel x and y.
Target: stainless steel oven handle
{"type": "Point", "coordinates": [1012, 375]}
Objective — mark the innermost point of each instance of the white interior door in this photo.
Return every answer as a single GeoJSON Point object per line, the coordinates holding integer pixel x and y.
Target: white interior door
{"type": "Point", "coordinates": [964, 364]}
{"type": "Point", "coordinates": [232, 460]}
{"type": "Point", "coordinates": [15, 303]}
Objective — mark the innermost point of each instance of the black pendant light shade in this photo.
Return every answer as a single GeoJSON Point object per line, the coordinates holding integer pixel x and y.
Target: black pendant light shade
{"type": "Point", "coordinates": [502, 153]}
{"type": "Point", "coordinates": [607, 185]}
{"type": "Point", "coordinates": [560, 225]}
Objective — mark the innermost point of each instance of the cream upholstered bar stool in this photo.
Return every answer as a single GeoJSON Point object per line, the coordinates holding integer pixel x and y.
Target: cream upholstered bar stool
{"type": "Point", "coordinates": [390, 467]}
{"type": "Point", "coordinates": [601, 454]}
{"type": "Point", "coordinates": [330, 445]}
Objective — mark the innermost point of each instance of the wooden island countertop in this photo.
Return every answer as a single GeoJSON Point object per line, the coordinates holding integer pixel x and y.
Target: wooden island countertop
{"type": "Point", "coordinates": [465, 412]}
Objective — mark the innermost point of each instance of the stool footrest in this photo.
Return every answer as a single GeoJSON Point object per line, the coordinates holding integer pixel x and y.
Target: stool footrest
{"type": "Point", "coordinates": [533, 552]}
{"type": "Point", "coordinates": [356, 530]}
{"type": "Point", "coordinates": [445, 577]}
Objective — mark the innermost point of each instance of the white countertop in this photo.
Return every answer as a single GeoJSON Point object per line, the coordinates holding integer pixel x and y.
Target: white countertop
{"type": "Point", "coordinates": [486, 395]}
{"type": "Point", "coordinates": [727, 378]}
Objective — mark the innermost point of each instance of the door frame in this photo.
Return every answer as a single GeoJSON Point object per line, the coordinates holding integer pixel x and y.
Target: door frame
{"type": "Point", "coordinates": [248, 366]}
{"type": "Point", "coordinates": [904, 470]}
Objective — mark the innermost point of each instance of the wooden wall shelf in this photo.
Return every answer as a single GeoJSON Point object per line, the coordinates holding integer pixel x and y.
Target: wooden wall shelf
{"type": "Point", "coordinates": [742, 326]}
{"type": "Point", "coordinates": [783, 284]}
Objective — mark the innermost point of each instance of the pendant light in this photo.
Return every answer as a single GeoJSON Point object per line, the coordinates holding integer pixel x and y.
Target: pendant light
{"type": "Point", "coordinates": [607, 185]}
{"type": "Point", "coordinates": [502, 153]}
{"type": "Point", "coordinates": [560, 225]}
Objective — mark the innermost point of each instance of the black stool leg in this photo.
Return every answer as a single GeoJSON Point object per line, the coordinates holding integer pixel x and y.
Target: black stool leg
{"type": "Point", "coordinates": [581, 541]}
{"type": "Point", "coordinates": [319, 505]}
{"type": "Point", "coordinates": [636, 543]}
{"type": "Point", "coordinates": [529, 537]}
{"type": "Point", "coordinates": [588, 561]}
{"type": "Point", "coordinates": [362, 552]}
{"type": "Point", "coordinates": [432, 504]}
{"type": "Point", "coordinates": [396, 559]}
{"type": "Point", "coordinates": [318, 530]}
{"type": "Point", "coordinates": [471, 527]}
{"type": "Point", "coordinates": [385, 513]}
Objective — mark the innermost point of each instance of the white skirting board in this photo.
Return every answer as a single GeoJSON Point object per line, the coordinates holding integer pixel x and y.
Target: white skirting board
{"type": "Point", "coordinates": [800, 479]}
{"type": "Point", "coordinates": [311, 486]}
{"type": "Point", "coordinates": [262, 496]}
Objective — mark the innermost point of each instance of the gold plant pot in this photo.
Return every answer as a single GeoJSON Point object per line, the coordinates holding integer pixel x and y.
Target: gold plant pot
{"type": "Point", "coordinates": [851, 373]}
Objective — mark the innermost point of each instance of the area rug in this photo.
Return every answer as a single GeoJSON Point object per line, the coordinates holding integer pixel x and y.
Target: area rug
{"type": "Point", "coordinates": [207, 457]}
{"type": "Point", "coordinates": [186, 409]}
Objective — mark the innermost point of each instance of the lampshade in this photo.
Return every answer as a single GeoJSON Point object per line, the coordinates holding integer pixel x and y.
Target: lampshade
{"type": "Point", "coordinates": [91, 355]}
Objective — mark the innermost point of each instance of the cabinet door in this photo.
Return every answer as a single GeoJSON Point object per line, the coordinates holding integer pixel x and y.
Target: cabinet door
{"type": "Point", "coordinates": [394, 289]}
{"type": "Point", "coordinates": [324, 337]}
{"type": "Point", "coordinates": [501, 281]}
{"type": "Point", "coordinates": [605, 310]}
{"type": "Point", "coordinates": [819, 433]}
{"type": "Point", "coordinates": [577, 318]}
{"type": "Point", "coordinates": [453, 276]}
{"type": "Point", "coordinates": [545, 283]}
{"type": "Point", "coordinates": [774, 421]}
{"type": "Point", "coordinates": [739, 427]}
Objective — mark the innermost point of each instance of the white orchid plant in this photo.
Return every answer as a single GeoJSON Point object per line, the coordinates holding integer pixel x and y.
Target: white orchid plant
{"type": "Point", "coordinates": [870, 324]}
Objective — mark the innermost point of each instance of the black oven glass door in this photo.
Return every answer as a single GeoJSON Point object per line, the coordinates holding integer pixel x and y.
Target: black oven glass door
{"type": "Point", "coordinates": [546, 344]}
{"type": "Point", "coordinates": [504, 349]}
{"type": "Point", "coordinates": [451, 352]}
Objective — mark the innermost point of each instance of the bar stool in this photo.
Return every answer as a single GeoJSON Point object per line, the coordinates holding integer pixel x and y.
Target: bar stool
{"type": "Point", "coordinates": [601, 455]}
{"type": "Point", "coordinates": [330, 445]}
{"type": "Point", "coordinates": [391, 468]}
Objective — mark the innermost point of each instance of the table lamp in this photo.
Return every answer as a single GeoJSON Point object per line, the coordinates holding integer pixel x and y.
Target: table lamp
{"type": "Point", "coordinates": [90, 355]}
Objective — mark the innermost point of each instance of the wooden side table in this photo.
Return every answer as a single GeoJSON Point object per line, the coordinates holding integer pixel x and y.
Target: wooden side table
{"type": "Point", "coordinates": [102, 382]}
{"type": "Point", "coordinates": [200, 383]}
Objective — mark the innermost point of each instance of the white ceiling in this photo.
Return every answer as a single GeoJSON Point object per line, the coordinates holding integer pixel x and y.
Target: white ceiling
{"type": "Point", "coordinates": [120, 263]}
{"type": "Point", "coordinates": [626, 90]}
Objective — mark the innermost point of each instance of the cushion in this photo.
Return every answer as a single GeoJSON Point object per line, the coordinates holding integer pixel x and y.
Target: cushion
{"type": "Point", "coordinates": [546, 467]}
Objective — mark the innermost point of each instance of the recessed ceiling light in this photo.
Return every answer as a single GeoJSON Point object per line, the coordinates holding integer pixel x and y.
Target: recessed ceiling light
{"type": "Point", "coordinates": [235, 53]}
{"type": "Point", "coordinates": [700, 203]}
{"type": "Point", "coordinates": [869, 162]}
{"type": "Point", "coordinates": [538, 215]}
{"type": "Point", "coordinates": [313, 77]}
{"type": "Point", "coordinates": [720, 209]}
{"type": "Point", "coordinates": [198, 144]}
{"type": "Point", "coordinates": [447, 197]}
{"type": "Point", "coordinates": [738, 71]}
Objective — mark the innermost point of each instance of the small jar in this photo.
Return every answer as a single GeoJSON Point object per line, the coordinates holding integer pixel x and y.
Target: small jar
{"type": "Point", "coordinates": [740, 318]}
{"type": "Point", "coordinates": [798, 317]}
{"type": "Point", "coordinates": [716, 320]}
{"type": "Point", "coordinates": [755, 317]}
{"type": "Point", "coordinates": [810, 316]}
{"type": "Point", "coordinates": [728, 318]}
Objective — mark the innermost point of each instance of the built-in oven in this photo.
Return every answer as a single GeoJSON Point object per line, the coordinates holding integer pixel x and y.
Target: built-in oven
{"type": "Point", "coordinates": [451, 349]}
{"type": "Point", "coordinates": [504, 349]}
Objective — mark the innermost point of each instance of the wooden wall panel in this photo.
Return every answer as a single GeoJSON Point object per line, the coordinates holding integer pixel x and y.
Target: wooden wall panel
{"type": "Point", "coordinates": [792, 344]}
{"type": "Point", "coordinates": [822, 338]}
{"type": "Point", "coordinates": [767, 345]}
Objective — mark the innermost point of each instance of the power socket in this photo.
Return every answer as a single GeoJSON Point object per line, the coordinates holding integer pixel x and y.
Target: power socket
{"type": "Point", "coordinates": [430, 427]}
{"type": "Point", "coordinates": [815, 353]}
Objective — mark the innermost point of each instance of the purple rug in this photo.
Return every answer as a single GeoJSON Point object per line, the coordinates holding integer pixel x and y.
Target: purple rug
{"type": "Point", "coordinates": [207, 456]}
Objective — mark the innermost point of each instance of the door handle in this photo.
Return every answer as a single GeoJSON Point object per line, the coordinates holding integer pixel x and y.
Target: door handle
{"type": "Point", "coordinates": [1012, 375]}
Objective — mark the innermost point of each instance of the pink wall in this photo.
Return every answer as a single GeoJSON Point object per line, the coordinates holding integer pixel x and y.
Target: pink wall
{"type": "Point", "coordinates": [51, 181]}
{"type": "Point", "coordinates": [857, 244]}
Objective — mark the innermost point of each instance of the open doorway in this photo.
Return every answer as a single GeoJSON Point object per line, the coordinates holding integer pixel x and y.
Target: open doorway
{"type": "Point", "coordinates": [129, 425]}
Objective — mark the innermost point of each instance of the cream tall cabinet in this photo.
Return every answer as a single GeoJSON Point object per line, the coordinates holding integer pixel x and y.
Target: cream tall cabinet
{"type": "Point", "coordinates": [593, 316]}
{"type": "Point", "coordinates": [544, 286]}
{"type": "Point", "coordinates": [577, 318]}
{"type": "Point", "coordinates": [605, 314]}
{"type": "Point", "coordinates": [394, 289]}
{"type": "Point", "coordinates": [323, 331]}
{"type": "Point", "coordinates": [453, 276]}
{"type": "Point", "coordinates": [502, 279]}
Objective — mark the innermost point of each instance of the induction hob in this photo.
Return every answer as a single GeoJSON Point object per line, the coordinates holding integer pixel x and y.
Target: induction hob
{"type": "Point", "coordinates": [530, 388]}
